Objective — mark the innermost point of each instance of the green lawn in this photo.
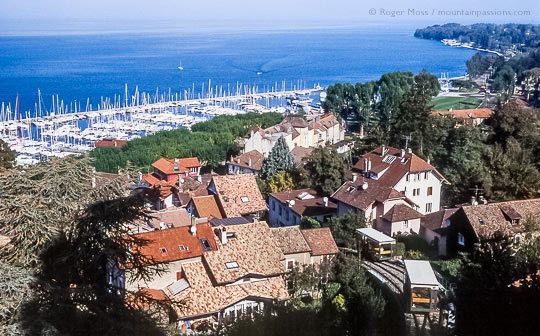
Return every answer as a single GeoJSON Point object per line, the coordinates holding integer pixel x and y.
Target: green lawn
{"type": "Point", "coordinates": [455, 103]}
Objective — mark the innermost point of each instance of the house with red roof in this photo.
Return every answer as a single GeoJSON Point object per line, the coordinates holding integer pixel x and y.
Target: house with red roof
{"type": "Point", "coordinates": [219, 274]}
{"type": "Point", "coordinates": [304, 247]}
{"type": "Point", "coordinates": [468, 116]}
{"type": "Point", "coordinates": [289, 207]}
{"type": "Point", "coordinates": [394, 188]}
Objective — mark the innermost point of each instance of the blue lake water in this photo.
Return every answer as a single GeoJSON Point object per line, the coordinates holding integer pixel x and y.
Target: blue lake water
{"type": "Point", "coordinates": [80, 66]}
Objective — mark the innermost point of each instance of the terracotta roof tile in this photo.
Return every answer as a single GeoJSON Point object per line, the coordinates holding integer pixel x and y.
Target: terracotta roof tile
{"type": "Point", "coordinates": [308, 206]}
{"type": "Point", "coordinates": [437, 220]}
{"type": "Point", "coordinates": [176, 217]}
{"type": "Point", "coordinates": [254, 250]}
{"type": "Point", "coordinates": [243, 160]}
{"type": "Point", "coordinates": [167, 166]}
{"type": "Point", "coordinates": [203, 298]}
{"type": "Point", "coordinates": [401, 212]}
{"type": "Point", "coordinates": [110, 143]}
{"type": "Point", "coordinates": [320, 241]}
{"type": "Point", "coordinates": [207, 207]}
{"type": "Point", "coordinates": [300, 153]}
{"type": "Point", "coordinates": [479, 113]}
{"type": "Point", "coordinates": [238, 194]}
{"type": "Point", "coordinates": [171, 239]}
{"type": "Point", "coordinates": [486, 219]}
{"type": "Point", "coordinates": [290, 240]}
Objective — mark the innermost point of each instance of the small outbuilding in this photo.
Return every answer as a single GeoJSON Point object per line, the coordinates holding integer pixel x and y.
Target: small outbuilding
{"type": "Point", "coordinates": [421, 287]}
{"type": "Point", "coordinates": [374, 244]}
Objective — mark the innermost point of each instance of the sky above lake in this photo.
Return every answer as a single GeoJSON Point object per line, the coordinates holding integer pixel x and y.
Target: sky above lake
{"type": "Point", "coordinates": [127, 14]}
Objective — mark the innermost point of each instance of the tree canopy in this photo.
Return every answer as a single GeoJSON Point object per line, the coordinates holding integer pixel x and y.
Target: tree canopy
{"type": "Point", "coordinates": [279, 160]}
{"type": "Point", "coordinates": [325, 170]}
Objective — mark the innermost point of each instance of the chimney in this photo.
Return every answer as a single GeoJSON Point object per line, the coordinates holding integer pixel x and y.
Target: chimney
{"type": "Point", "coordinates": [354, 177]}
{"type": "Point", "coordinates": [193, 228]}
{"type": "Point", "coordinates": [369, 165]}
{"type": "Point", "coordinates": [176, 160]}
{"type": "Point", "coordinates": [483, 200]}
{"type": "Point", "coordinates": [199, 178]}
{"type": "Point", "coordinates": [249, 163]}
{"type": "Point", "coordinates": [409, 150]}
{"type": "Point", "coordinates": [325, 201]}
{"type": "Point", "coordinates": [237, 160]}
{"type": "Point", "coordinates": [473, 201]}
{"type": "Point", "coordinates": [162, 226]}
{"type": "Point", "coordinates": [383, 148]}
{"type": "Point", "coordinates": [402, 153]}
{"type": "Point", "coordinates": [232, 159]}
{"type": "Point", "coordinates": [428, 160]}
{"type": "Point", "coordinates": [223, 235]}
{"type": "Point", "coordinates": [366, 169]}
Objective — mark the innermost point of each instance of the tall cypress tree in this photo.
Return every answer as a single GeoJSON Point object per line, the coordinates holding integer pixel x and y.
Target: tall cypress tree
{"type": "Point", "coordinates": [280, 159]}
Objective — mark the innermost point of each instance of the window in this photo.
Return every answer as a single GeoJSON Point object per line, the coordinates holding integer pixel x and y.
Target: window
{"type": "Point", "coordinates": [414, 192]}
{"type": "Point", "coordinates": [231, 264]}
{"type": "Point", "coordinates": [225, 198]}
{"type": "Point", "coordinates": [244, 199]}
{"type": "Point", "coordinates": [273, 205]}
{"type": "Point", "coordinates": [408, 178]}
{"type": "Point", "coordinates": [428, 207]}
{"type": "Point", "coordinates": [430, 191]}
{"type": "Point", "coordinates": [418, 192]}
{"type": "Point", "coordinates": [426, 175]}
{"type": "Point", "coordinates": [163, 251]}
{"type": "Point", "coordinates": [405, 224]}
{"type": "Point", "coordinates": [206, 244]}
{"type": "Point", "coordinates": [280, 210]}
{"type": "Point", "coordinates": [290, 265]}
{"type": "Point", "coordinates": [461, 239]}
{"type": "Point", "coordinates": [193, 169]}
{"type": "Point", "coordinates": [182, 248]}
{"type": "Point", "coordinates": [176, 168]}
{"type": "Point", "coordinates": [287, 216]}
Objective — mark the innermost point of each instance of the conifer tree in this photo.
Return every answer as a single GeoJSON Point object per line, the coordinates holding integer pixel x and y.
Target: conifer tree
{"type": "Point", "coordinates": [280, 159]}
{"type": "Point", "coordinates": [7, 156]}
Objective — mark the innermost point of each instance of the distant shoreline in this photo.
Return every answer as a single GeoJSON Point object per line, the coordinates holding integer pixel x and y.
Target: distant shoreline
{"type": "Point", "coordinates": [455, 43]}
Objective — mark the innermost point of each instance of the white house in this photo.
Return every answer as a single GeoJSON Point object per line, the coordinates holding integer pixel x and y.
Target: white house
{"type": "Point", "coordinates": [387, 179]}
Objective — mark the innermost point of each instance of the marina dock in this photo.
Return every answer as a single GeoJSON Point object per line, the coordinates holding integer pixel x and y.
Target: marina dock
{"type": "Point", "coordinates": [66, 130]}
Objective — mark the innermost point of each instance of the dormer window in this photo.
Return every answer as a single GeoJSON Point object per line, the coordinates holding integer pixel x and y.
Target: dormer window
{"type": "Point", "coordinates": [182, 248]}
{"type": "Point", "coordinates": [350, 189]}
{"type": "Point", "coordinates": [515, 221]}
{"type": "Point", "coordinates": [163, 251]}
{"type": "Point", "coordinates": [481, 221]}
{"type": "Point", "coordinates": [225, 198]}
{"type": "Point", "coordinates": [176, 168]}
{"type": "Point", "coordinates": [206, 244]}
{"type": "Point", "coordinates": [244, 199]}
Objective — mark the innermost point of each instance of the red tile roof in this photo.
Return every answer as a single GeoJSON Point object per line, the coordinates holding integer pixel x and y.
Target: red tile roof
{"type": "Point", "coordinates": [176, 217]}
{"type": "Point", "coordinates": [110, 143]}
{"type": "Point", "coordinates": [254, 250]}
{"type": "Point", "coordinates": [203, 298]}
{"type": "Point", "coordinates": [437, 220]}
{"type": "Point", "coordinates": [290, 240]}
{"type": "Point", "coordinates": [167, 165]}
{"type": "Point", "coordinates": [320, 241]}
{"type": "Point", "coordinates": [486, 219]}
{"type": "Point", "coordinates": [171, 239]}
{"type": "Point", "coordinates": [401, 212]}
{"type": "Point", "coordinates": [252, 160]}
{"type": "Point", "coordinates": [308, 206]}
{"type": "Point", "coordinates": [238, 194]}
{"type": "Point", "coordinates": [479, 113]}
{"type": "Point", "coordinates": [206, 206]}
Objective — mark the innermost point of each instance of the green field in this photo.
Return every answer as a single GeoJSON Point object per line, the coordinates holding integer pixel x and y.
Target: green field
{"type": "Point", "coordinates": [455, 103]}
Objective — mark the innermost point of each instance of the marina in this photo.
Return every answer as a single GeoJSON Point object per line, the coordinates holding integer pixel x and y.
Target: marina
{"type": "Point", "coordinates": [66, 129]}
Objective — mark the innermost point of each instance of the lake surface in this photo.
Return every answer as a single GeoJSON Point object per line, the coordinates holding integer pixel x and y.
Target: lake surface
{"type": "Point", "coordinates": [77, 67]}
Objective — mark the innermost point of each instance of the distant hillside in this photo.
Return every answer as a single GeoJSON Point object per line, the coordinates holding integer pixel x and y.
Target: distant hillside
{"type": "Point", "coordinates": [497, 37]}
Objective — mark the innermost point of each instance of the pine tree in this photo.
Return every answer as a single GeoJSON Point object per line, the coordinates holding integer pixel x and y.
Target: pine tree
{"type": "Point", "coordinates": [7, 156]}
{"type": "Point", "coordinates": [325, 170]}
{"type": "Point", "coordinates": [280, 159]}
